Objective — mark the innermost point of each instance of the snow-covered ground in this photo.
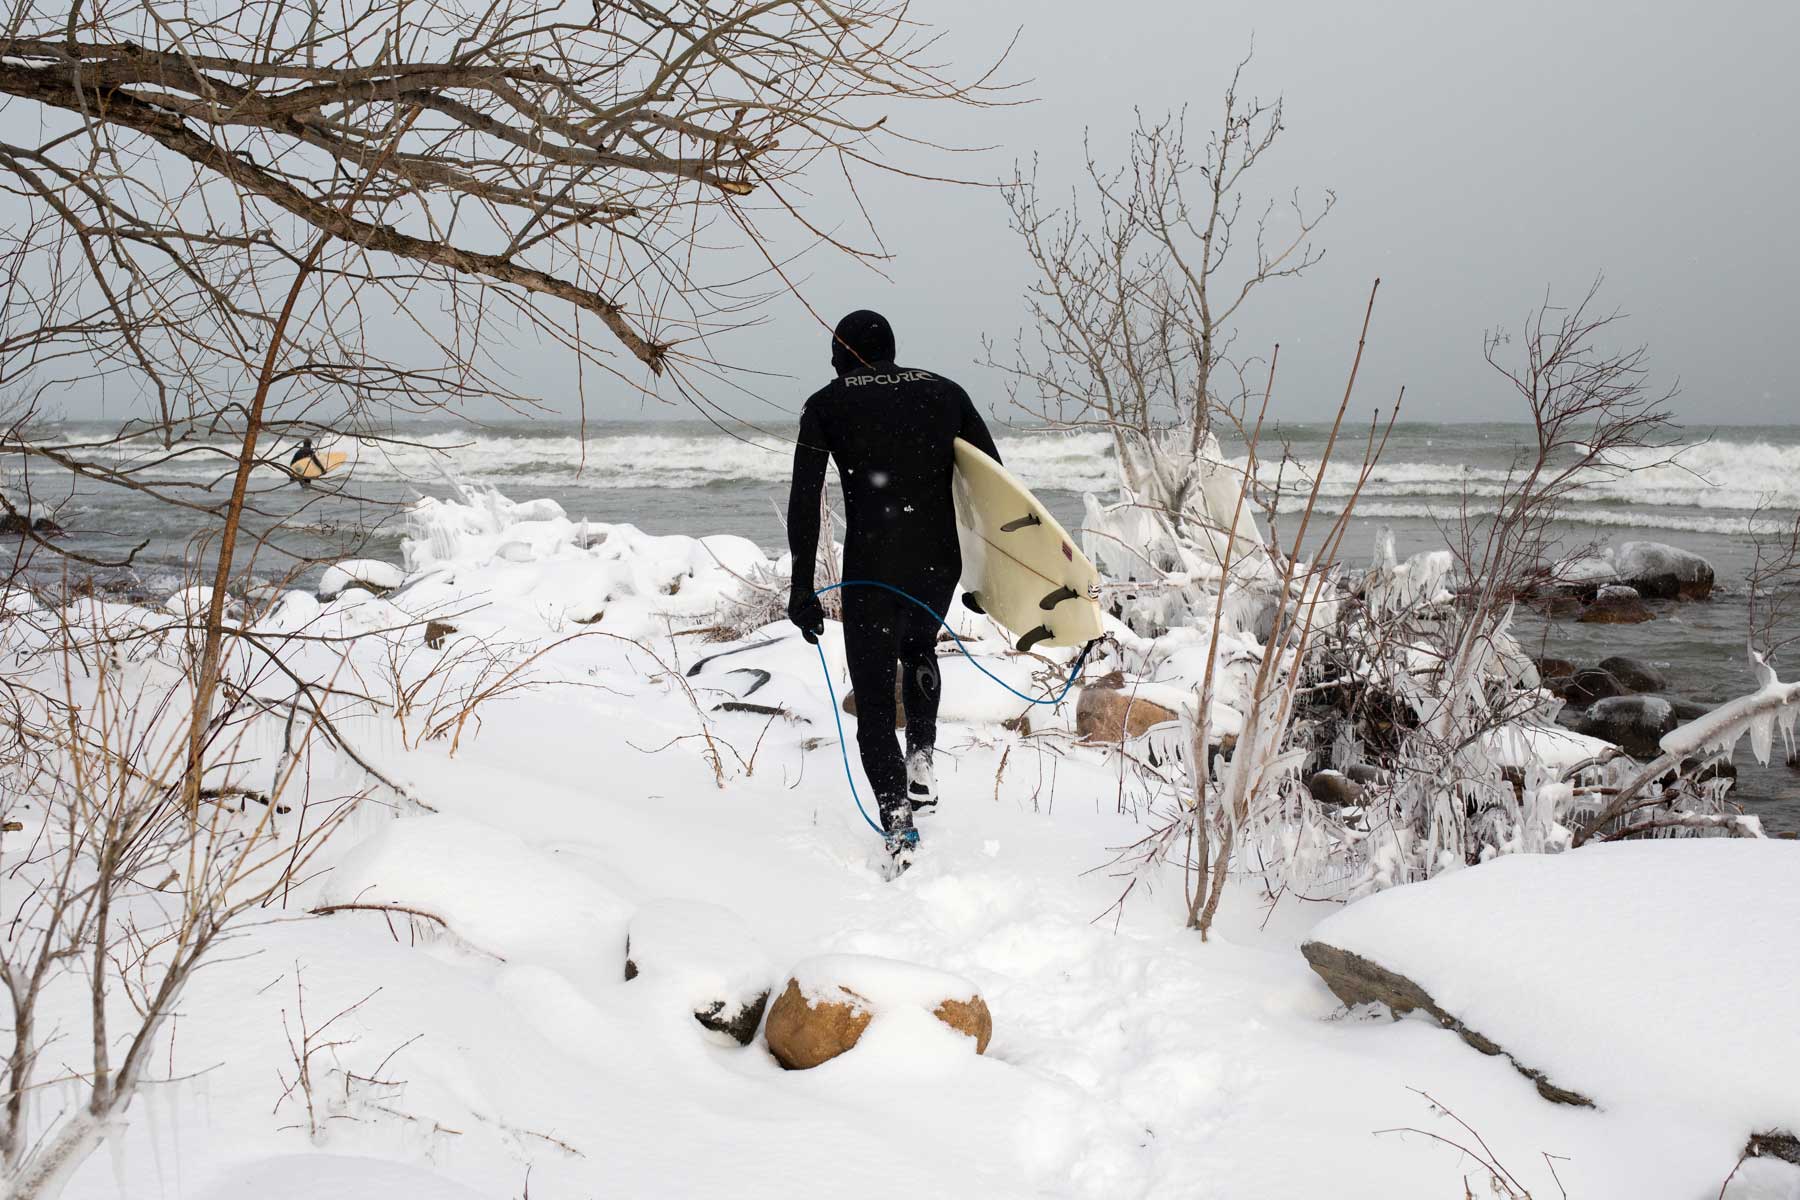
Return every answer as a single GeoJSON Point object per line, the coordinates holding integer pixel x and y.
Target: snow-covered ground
{"type": "Point", "coordinates": [499, 1051]}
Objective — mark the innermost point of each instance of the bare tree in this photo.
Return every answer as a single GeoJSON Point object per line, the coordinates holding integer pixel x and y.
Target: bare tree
{"type": "Point", "coordinates": [1135, 306]}
{"type": "Point", "coordinates": [261, 222]}
{"type": "Point", "coordinates": [1774, 584]}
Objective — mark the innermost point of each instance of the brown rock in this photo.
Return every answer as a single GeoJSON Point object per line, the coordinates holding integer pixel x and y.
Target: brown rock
{"type": "Point", "coordinates": [1114, 714]}
{"type": "Point", "coordinates": [849, 703]}
{"type": "Point", "coordinates": [969, 1017]}
{"type": "Point", "coordinates": [1614, 605]}
{"type": "Point", "coordinates": [436, 632]}
{"type": "Point", "coordinates": [1560, 605]}
{"type": "Point", "coordinates": [803, 1033]}
{"type": "Point", "coordinates": [1334, 788]}
{"type": "Point", "coordinates": [1554, 668]}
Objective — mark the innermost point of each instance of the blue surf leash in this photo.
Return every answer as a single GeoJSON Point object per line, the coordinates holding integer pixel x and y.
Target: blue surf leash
{"type": "Point", "coordinates": [836, 715]}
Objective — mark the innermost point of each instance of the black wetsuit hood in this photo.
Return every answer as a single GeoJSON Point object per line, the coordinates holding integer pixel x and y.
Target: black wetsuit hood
{"type": "Point", "coordinates": [862, 339]}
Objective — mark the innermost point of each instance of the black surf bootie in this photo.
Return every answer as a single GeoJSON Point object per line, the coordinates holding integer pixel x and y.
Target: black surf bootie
{"type": "Point", "coordinates": [901, 841]}
{"type": "Point", "coordinates": [902, 847]}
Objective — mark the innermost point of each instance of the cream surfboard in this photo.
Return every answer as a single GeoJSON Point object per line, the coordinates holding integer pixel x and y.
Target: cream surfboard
{"type": "Point", "coordinates": [1019, 566]}
{"type": "Point", "coordinates": [319, 464]}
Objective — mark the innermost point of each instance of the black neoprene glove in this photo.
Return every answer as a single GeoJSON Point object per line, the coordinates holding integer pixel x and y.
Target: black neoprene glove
{"type": "Point", "coordinates": [805, 611]}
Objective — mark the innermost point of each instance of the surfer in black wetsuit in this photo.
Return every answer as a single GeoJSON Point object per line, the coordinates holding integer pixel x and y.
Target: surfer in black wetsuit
{"type": "Point", "coordinates": [301, 457]}
{"type": "Point", "coordinates": [889, 429]}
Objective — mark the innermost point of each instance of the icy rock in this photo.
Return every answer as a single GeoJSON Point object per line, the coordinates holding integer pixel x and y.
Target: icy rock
{"type": "Point", "coordinates": [1664, 572]}
{"type": "Point", "coordinates": [18, 524]}
{"type": "Point", "coordinates": [1262, 625]}
{"type": "Point", "coordinates": [369, 574]}
{"type": "Point", "coordinates": [1636, 724]}
{"type": "Point", "coordinates": [1615, 604]}
{"type": "Point", "coordinates": [436, 632]}
{"type": "Point", "coordinates": [1109, 714]}
{"type": "Point", "coordinates": [711, 952]}
{"type": "Point", "coordinates": [1636, 674]}
{"type": "Point", "coordinates": [1655, 570]}
{"type": "Point", "coordinates": [829, 1002]}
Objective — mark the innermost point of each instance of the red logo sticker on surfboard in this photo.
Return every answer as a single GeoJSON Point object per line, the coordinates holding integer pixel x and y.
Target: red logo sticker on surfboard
{"type": "Point", "coordinates": [1068, 553]}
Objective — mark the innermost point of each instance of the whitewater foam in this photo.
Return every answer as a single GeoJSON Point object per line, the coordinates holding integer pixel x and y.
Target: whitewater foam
{"type": "Point", "coordinates": [1738, 526]}
{"type": "Point", "coordinates": [1742, 476]}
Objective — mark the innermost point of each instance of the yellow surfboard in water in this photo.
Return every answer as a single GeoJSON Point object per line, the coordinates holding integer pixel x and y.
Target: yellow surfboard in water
{"type": "Point", "coordinates": [1020, 566]}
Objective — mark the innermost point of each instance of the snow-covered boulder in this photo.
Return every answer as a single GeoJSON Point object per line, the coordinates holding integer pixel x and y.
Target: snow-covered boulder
{"type": "Point", "coordinates": [1653, 569]}
{"type": "Point", "coordinates": [830, 1001]}
{"type": "Point", "coordinates": [369, 574]}
{"type": "Point", "coordinates": [1636, 724]}
{"type": "Point", "coordinates": [1555, 962]}
{"type": "Point", "coordinates": [190, 602]}
{"type": "Point", "coordinates": [487, 888]}
{"type": "Point", "coordinates": [711, 955]}
{"type": "Point", "coordinates": [1664, 572]}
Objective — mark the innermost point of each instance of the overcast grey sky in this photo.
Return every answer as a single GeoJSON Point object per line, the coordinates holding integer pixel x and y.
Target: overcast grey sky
{"type": "Point", "coordinates": [1480, 154]}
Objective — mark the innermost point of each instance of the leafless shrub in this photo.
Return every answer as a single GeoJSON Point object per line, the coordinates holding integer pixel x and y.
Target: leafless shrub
{"type": "Point", "coordinates": [121, 888]}
{"type": "Point", "coordinates": [1426, 652]}
{"type": "Point", "coordinates": [1496, 1178]}
{"type": "Point", "coordinates": [759, 600]}
{"type": "Point", "coordinates": [306, 1042]}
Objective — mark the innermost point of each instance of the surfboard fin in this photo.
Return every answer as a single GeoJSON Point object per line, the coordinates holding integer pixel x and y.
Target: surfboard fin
{"type": "Point", "coordinates": [1055, 598]}
{"type": "Point", "coordinates": [1034, 637]}
{"type": "Point", "coordinates": [972, 602]}
{"type": "Point", "coordinates": [1024, 522]}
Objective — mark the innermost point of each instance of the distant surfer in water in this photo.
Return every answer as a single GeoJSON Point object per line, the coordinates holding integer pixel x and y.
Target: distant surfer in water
{"type": "Point", "coordinates": [889, 429]}
{"type": "Point", "coordinates": [302, 456]}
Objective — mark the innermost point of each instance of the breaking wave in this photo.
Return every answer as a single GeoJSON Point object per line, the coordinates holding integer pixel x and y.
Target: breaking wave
{"type": "Point", "coordinates": [1740, 476]}
{"type": "Point", "coordinates": [1741, 525]}
{"type": "Point", "coordinates": [616, 461]}
{"type": "Point", "coordinates": [1706, 487]}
